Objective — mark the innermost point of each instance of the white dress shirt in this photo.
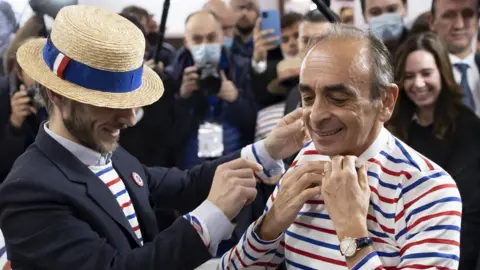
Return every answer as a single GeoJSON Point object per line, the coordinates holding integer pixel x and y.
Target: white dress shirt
{"type": "Point", "coordinates": [473, 75]}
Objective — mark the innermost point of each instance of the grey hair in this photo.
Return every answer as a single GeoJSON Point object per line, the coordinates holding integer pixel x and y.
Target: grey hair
{"type": "Point", "coordinates": [381, 69]}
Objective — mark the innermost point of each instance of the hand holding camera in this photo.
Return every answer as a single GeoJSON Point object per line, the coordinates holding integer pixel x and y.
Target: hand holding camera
{"type": "Point", "coordinates": [189, 82]}
{"type": "Point", "coordinates": [228, 91]}
{"type": "Point", "coordinates": [22, 107]}
{"type": "Point", "coordinates": [265, 39]}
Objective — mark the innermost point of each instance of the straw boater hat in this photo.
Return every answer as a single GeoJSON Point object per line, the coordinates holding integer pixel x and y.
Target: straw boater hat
{"type": "Point", "coordinates": [94, 57]}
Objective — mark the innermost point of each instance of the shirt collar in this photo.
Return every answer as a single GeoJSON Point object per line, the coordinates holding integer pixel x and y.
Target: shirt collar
{"type": "Point", "coordinates": [86, 155]}
{"type": "Point", "coordinates": [378, 145]}
{"type": "Point", "coordinates": [470, 59]}
{"type": "Point", "coordinates": [383, 142]}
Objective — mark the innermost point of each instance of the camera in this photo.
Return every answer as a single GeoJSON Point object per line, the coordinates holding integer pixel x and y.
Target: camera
{"type": "Point", "coordinates": [209, 80]}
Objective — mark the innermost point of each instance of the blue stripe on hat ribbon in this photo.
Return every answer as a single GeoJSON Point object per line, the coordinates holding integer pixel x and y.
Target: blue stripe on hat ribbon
{"type": "Point", "coordinates": [89, 77]}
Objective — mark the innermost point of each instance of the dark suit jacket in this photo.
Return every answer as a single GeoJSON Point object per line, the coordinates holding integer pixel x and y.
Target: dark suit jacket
{"type": "Point", "coordinates": [459, 155]}
{"type": "Point", "coordinates": [56, 214]}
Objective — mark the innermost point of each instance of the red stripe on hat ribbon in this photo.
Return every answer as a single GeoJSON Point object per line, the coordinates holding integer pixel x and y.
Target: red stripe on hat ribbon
{"type": "Point", "coordinates": [61, 67]}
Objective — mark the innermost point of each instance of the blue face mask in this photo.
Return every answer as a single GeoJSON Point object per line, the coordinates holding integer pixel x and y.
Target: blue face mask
{"type": "Point", "coordinates": [387, 27]}
{"type": "Point", "coordinates": [206, 53]}
{"type": "Point", "coordinates": [227, 42]}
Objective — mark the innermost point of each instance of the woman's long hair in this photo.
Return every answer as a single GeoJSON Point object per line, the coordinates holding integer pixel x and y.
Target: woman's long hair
{"type": "Point", "coordinates": [449, 99]}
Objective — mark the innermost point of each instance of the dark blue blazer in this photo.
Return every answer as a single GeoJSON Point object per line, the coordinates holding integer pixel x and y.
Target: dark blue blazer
{"type": "Point", "coordinates": [56, 214]}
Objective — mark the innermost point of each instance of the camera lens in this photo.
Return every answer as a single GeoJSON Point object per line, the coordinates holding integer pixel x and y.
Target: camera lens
{"type": "Point", "coordinates": [265, 14]}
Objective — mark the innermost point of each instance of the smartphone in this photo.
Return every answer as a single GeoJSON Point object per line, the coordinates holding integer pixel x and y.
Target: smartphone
{"type": "Point", "coordinates": [271, 20]}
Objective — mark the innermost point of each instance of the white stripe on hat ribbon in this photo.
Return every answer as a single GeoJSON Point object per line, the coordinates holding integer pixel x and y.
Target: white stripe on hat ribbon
{"type": "Point", "coordinates": [60, 64]}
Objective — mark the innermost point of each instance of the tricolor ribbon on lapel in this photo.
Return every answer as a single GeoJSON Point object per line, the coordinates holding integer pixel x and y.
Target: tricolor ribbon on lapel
{"type": "Point", "coordinates": [89, 77]}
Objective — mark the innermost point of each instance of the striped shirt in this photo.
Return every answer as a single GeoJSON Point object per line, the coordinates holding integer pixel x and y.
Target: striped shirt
{"type": "Point", "coordinates": [112, 180]}
{"type": "Point", "coordinates": [267, 119]}
{"type": "Point", "coordinates": [413, 219]}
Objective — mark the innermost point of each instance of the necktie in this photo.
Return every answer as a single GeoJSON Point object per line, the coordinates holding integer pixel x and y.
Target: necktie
{"type": "Point", "coordinates": [467, 92]}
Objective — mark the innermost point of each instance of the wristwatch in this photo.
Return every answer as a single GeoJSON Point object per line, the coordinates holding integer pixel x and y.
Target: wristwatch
{"type": "Point", "coordinates": [350, 246]}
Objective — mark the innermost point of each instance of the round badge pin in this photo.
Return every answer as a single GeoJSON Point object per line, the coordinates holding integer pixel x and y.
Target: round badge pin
{"type": "Point", "coordinates": [138, 180]}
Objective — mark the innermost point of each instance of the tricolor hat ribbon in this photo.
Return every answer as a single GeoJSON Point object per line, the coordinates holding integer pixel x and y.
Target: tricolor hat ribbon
{"type": "Point", "coordinates": [89, 77]}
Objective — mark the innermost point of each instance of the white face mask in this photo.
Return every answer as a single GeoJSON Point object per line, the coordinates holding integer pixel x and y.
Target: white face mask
{"type": "Point", "coordinates": [206, 53]}
{"type": "Point", "coordinates": [387, 27]}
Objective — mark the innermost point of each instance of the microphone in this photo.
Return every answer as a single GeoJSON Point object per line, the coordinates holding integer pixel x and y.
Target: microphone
{"type": "Point", "coordinates": [161, 31]}
{"type": "Point", "coordinates": [325, 10]}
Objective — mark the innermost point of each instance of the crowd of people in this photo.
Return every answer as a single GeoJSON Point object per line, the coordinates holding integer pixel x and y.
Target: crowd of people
{"type": "Point", "coordinates": [339, 148]}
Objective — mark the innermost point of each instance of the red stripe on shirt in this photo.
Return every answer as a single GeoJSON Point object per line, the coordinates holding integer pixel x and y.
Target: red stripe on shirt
{"type": "Point", "coordinates": [127, 204]}
{"type": "Point", "coordinates": [407, 205]}
{"type": "Point", "coordinates": [310, 152]}
{"type": "Point", "coordinates": [314, 256]}
{"type": "Point", "coordinates": [389, 172]}
{"type": "Point", "coordinates": [425, 218]}
{"type": "Point", "coordinates": [429, 241]}
{"type": "Point", "coordinates": [383, 199]}
{"type": "Point", "coordinates": [254, 248]}
{"type": "Point", "coordinates": [113, 182]}
{"type": "Point", "coordinates": [324, 230]}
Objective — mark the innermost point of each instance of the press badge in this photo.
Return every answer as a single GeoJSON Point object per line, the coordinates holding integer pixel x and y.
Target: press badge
{"type": "Point", "coordinates": [210, 140]}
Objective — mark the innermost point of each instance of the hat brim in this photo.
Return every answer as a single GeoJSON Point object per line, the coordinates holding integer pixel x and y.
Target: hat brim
{"type": "Point", "coordinates": [30, 59]}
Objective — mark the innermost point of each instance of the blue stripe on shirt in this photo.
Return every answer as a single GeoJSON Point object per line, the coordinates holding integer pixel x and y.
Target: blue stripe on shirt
{"type": "Point", "coordinates": [383, 184]}
{"type": "Point", "coordinates": [312, 241]}
{"type": "Point", "coordinates": [298, 265]}
{"type": "Point", "coordinates": [436, 228]}
{"type": "Point", "coordinates": [407, 155]}
{"type": "Point", "coordinates": [120, 193]}
{"type": "Point", "coordinates": [378, 209]}
{"type": "Point", "coordinates": [131, 216]}
{"type": "Point", "coordinates": [429, 205]}
{"type": "Point", "coordinates": [2, 251]}
{"type": "Point", "coordinates": [104, 171]}
{"type": "Point", "coordinates": [363, 261]}
{"type": "Point", "coordinates": [315, 215]}
{"type": "Point", "coordinates": [430, 255]}
{"type": "Point", "coordinates": [421, 181]}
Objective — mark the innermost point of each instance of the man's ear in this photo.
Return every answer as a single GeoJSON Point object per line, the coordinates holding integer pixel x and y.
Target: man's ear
{"type": "Point", "coordinates": [389, 100]}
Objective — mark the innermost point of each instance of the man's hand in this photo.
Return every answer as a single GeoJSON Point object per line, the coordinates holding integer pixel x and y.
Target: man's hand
{"type": "Point", "coordinates": [262, 44]}
{"type": "Point", "coordinates": [288, 137]}
{"type": "Point", "coordinates": [21, 107]}
{"type": "Point", "coordinates": [297, 187]}
{"type": "Point", "coordinates": [189, 82]}
{"type": "Point", "coordinates": [347, 197]}
{"type": "Point", "coordinates": [157, 67]}
{"type": "Point", "coordinates": [228, 91]}
{"type": "Point", "coordinates": [234, 186]}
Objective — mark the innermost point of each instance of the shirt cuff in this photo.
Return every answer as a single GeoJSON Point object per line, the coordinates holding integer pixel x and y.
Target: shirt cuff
{"type": "Point", "coordinates": [258, 153]}
{"type": "Point", "coordinates": [259, 67]}
{"type": "Point", "coordinates": [211, 224]}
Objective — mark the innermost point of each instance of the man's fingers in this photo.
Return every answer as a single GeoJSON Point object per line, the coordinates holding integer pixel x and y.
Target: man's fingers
{"type": "Point", "coordinates": [309, 193]}
{"type": "Point", "coordinates": [247, 194]}
{"type": "Point", "coordinates": [242, 163]}
{"type": "Point", "coordinates": [299, 172]}
{"type": "Point", "coordinates": [20, 101]}
{"type": "Point", "coordinates": [337, 163]}
{"type": "Point", "coordinates": [348, 163]}
{"type": "Point", "coordinates": [33, 109]}
{"type": "Point", "coordinates": [293, 116]}
{"type": "Point", "coordinates": [311, 179]}
{"type": "Point", "coordinates": [242, 173]}
{"type": "Point", "coordinates": [190, 69]}
{"type": "Point", "coordinates": [363, 178]}
{"type": "Point", "coordinates": [223, 76]}
{"type": "Point", "coordinates": [246, 182]}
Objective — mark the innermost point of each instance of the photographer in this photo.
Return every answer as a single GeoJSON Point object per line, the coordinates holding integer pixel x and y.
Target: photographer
{"type": "Point", "coordinates": [210, 96]}
{"type": "Point", "coordinates": [21, 113]}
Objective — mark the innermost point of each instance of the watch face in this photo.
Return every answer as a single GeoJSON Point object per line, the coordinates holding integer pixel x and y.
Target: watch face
{"type": "Point", "coordinates": [348, 247]}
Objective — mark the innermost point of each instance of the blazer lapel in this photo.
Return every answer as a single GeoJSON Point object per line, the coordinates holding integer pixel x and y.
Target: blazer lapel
{"type": "Point", "coordinates": [77, 172]}
{"type": "Point", "coordinates": [138, 191]}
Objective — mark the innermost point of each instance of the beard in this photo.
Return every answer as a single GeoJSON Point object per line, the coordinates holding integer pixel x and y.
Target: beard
{"type": "Point", "coordinates": [244, 27]}
{"type": "Point", "coordinates": [80, 126]}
